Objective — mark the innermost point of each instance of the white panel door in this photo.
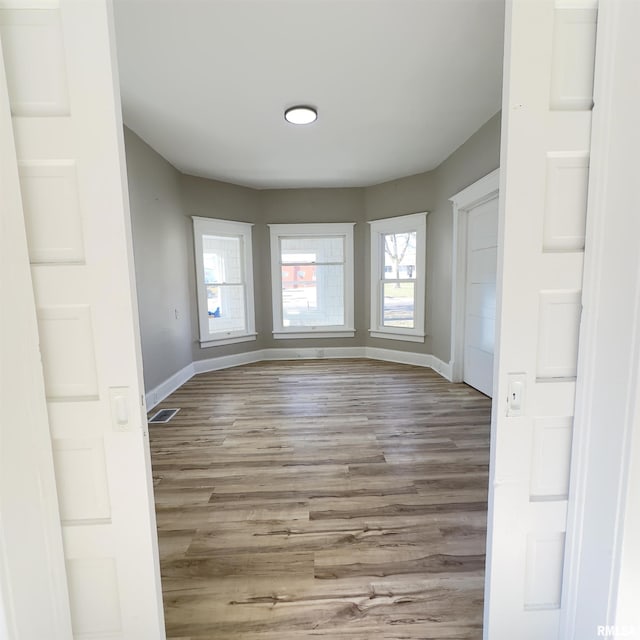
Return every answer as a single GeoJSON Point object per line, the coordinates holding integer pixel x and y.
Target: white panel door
{"type": "Point", "coordinates": [32, 568]}
{"type": "Point", "coordinates": [480, 304]}
{"type": "Point", "coordinates": [62, 89]}
{"type": "Point", "coordinates": [546, 130]}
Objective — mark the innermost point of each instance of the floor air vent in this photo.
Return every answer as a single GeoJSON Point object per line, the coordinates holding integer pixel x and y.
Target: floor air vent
{"type": "Point", "coordinates": [164, 415]}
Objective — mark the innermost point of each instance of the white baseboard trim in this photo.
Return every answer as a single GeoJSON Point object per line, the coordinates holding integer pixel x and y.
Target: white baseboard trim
{"type": "Point", "coordinates": [402, 357]}
{"type": "Point", "coordinates": [409, 357]}
{"type": "Point", "coordinates": [443, 368]}
{"type": "Point", "coordinates": [166, 388]}
{"type": "Point", "coordinates": [314, 353]}
{"type": "Point", "coordinates": [226, 362]}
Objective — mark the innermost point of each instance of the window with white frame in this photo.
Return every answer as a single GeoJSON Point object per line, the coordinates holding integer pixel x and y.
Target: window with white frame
{"type": "Point", "coordinates": [312, 280]}
{"type": "Point", "coordinates": [224, 281]}
{"type": "Point", "coordinates": [398, 252]}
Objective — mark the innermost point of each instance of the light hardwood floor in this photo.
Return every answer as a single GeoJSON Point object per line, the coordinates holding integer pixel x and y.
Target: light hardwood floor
{"type": "Point", "coordinates": [335, 499]}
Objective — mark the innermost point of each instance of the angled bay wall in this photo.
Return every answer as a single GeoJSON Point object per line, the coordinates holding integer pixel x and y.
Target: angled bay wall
{"type": "Point", "coordinates": [161, 250]}
{"type": "Point", "coordinates": [162, 201]}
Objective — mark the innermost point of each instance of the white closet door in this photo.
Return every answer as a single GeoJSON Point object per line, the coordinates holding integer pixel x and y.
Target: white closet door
{"type": "Point", "coordinates": [62, 88]}
{"type": "Point", "coordinates": [546, 133]}
{"type": "Point", "coordinates": [480, 306]}
{"type": "Point", "coordinates": [33, 585]}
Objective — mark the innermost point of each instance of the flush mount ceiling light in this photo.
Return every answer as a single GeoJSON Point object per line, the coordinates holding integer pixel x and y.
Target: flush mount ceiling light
{"type": "Point", "coordinates": [301, 114]}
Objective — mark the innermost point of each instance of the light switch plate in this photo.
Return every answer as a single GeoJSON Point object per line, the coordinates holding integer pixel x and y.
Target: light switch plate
{"type": "Point", "coordinates": [120, 408]}
{"type": "Point", "coordinates": [516, 394]}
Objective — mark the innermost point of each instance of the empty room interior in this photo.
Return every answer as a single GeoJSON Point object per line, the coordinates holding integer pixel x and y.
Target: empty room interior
{"type": "Point", "coordinates": [319, 319]}
{"type": "Point", "coordinates": [322, 475]}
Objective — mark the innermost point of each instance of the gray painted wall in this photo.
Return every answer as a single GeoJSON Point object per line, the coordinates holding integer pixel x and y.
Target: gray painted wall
{"type": "Point", "coordinates": [162, 261]}
{"type": "Point", "coordinates": [431, 191]}
{"type": "Point", "coordinates": [287, 206]}
{"type": "Point", "coordinates": [413, 194]}
{"type": "Point", "coordinates": [183, 196]}
{"type": "Point", "coordinates": [477, 157]}
{"type": "Point", "coordinates": [213, 199]}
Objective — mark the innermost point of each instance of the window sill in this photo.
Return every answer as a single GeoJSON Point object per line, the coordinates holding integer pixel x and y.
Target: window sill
{"type": "Point", "coordinates": [219, 342]}
{"type": "Point", "coordinates": [310, 333]}
{"type": "Point", "coordinates": [393, 335]}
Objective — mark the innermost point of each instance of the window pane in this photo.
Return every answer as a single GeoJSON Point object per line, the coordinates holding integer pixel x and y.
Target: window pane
{"type": "Point", "coordinates": [399, 304]}
{"type": "Point", "coordinates": [399, 256]}
{"type": "Point", "coordinates": [312, 295]}
{"type": "Point", "coordinates": [310, 250]}
{"type": "Point", "coordinates": [222, 259]}
{"type": "Point", "coordinates": [225, 305]}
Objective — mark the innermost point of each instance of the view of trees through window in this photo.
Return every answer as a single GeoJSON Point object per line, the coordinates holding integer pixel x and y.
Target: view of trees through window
{"type": "Point", "coordinates": [399, 279]}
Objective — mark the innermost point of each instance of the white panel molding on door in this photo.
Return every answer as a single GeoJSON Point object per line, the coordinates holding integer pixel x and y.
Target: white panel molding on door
{"type": "Point", "coordinates": [543, 571]}
{"type": "Point", "coordinates": [31, 38]}
{"type": "Point", "coordinates": [478, 193]}
{"type": "Point", "coordinates": [551, 458]}
{"type": "Point", "coordinates": [52, 185]}
{"type": "Point", "coordinates": [572, 76]}
{"type": "Point", "coordinates": [69, 153]}
{"type": "Point", "coordinates": [558, 329]}
{"type": "Point", "coordinates": [545, 142]}
{"type": "Point", "coordinates": [34, 599]}
{"type": "Point", "coordinates": [566, 205]}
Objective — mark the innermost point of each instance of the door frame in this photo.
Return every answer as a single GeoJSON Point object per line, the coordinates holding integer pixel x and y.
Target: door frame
{"type": "Point", "coordinates": [598, 340]}
{"type": "Point", "coordinates": [462, 202]}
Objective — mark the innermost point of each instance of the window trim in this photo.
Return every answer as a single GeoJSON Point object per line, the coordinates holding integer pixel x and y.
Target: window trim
{"type": "Point", "coordinates": [215, 226]}
{"type": "Point", "coordinates": [400, 224]}
{"type": "Point", "coordinates": [306, 230]}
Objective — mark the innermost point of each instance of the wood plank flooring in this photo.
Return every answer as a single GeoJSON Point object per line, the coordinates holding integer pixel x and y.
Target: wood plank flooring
{"type": "Point", "coordinates": [337, 499]}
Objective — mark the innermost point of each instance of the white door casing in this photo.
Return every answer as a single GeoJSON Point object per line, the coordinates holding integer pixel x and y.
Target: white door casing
{"type": "Point", "coordinates": [546, 128]}
{"type": "Point", "coordinates": [65, 105]}
{"type": "Point", "coordinates": [474, 276]}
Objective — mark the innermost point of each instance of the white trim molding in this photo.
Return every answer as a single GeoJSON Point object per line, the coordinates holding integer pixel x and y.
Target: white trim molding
{"type": "Point", "coordinates": [313, 353]}
{"type": "Point", "coordinates": [414, 222]}
{"type": "Point", "coordinates": [226, 362]}
{"type": "Point", "coordinates": [224, 341]}
{"type": "Point", "coordinates": [156, 395]}
{"type": "Point", "coordinates": [296, 335]}
{"type": "Point", "coordinates": [240, 231]}
{"type": "Point", "coordinates": [480, 191]}
{"type": "Point", "coordinates": [279, 232]}
{"type": "Point", "coordinates": [410, 357]}
{"type": "Point", "coordinates": [396, 336]}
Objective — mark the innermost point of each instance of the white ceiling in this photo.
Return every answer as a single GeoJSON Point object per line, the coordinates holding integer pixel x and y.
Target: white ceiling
{"type": "Point", "coordinates": [399, 84]}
